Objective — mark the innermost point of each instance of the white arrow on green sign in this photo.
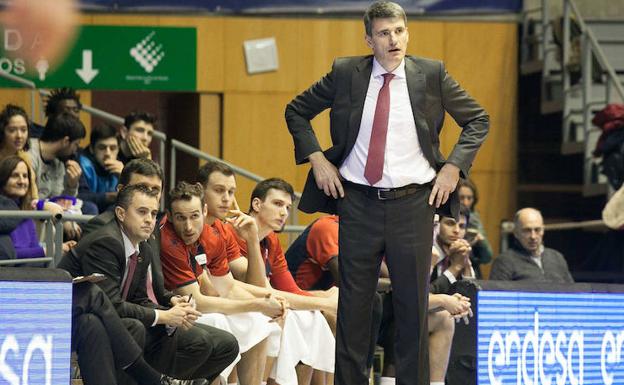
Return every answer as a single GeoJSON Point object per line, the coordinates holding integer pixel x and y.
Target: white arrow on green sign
{"type": "Point", "coordinates": [115, 58]}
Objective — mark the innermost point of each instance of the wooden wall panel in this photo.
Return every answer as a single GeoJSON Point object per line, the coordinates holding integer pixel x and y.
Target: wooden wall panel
{"type": "Point", "coordinates": [237, 30]}
{"type": "Point", "coordinates": [255, 137]}
{"type": "Point", "coordinates": [210, 124]}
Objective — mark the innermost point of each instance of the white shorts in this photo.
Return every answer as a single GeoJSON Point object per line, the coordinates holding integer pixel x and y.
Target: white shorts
{"type": "Point", "coordinates": [248, 328]}
{"type": "Point", "coordinates": [306, 337]}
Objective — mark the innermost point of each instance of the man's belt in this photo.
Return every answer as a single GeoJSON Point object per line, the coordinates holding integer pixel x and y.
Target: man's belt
{"type": "Point", "coordinates": [385, 194]}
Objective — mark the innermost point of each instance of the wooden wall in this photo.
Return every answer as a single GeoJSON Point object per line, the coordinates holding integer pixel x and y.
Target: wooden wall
{"type": "Point", "coordinates": [242, 116]}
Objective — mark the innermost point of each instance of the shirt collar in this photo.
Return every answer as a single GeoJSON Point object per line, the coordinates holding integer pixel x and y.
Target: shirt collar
{"type": "Point", "coordinates": [129, 248]}
{"type": "Point", "coordinates": [378, 70]}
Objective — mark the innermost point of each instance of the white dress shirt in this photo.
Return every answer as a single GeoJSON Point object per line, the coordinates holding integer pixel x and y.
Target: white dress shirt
{"type": "Point", "coordinates": [404, 162]}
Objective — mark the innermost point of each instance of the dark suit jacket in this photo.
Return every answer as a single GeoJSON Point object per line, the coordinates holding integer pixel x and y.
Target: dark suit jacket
{"type": "Point", "coordinates": [432, 91]}
{"type": "Point", "coordinates": [158, 281]}
{"type": "Point", "coordinates": [102, 251]}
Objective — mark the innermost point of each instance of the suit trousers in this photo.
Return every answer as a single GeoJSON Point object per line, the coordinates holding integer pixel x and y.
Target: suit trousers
{"type": "Point", "coordinates": [200, 352]}
{"type": "Point", "coordinates": [99, 336]}
{"type": "Point", "coordinates": [401, 230]}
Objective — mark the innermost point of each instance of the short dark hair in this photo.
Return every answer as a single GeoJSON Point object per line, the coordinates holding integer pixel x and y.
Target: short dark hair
{"type": "Point", "coordinates": [141, 166]}
{"type": "Point", "coordinates": [56, 96]}
{"type": "Point", "coordinates": [463, 211]}
{"type": "Point", "coordinates": [125, 195]}
{"type": "Point", "coordinates": [9, 111]}
{"type": "Point", "coordinates": [210, 167]}
{"type": "Point", "coordinates": [59, 126]}
{"type": "Point", "coordinates": [262, 189]}
{"type": "Point", "coordinates": [136, 116]}
{"type": "Point", "coordinates": [101, 132]}
{"type": "Point", "coordinates": [470, 184]}
{"type": "Point", "coordinates": [185, 191]}
{"type": "Point", "coordinates": [382, 10]}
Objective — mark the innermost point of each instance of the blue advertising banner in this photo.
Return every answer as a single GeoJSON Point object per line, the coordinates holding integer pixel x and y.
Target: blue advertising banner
{"type": "Point", "coordinates": [303, 6]}
{"type": "Point", "coordinates": [550, 338]}
{"type": "Point", "coordinates": [35, 332]}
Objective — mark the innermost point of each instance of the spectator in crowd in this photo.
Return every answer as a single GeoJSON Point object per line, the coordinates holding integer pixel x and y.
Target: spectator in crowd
{"type": "Point", "coordinates": [191, 262]}
{"type": "Point", "coordinates": [136, 136]}
{"type": "Point", "coordinates": [481, 253]}
{"type": "Point", "coordinates": [14, 123]}
{"type": "Point", "coordinates": [57, 174]}
{"type": "Point", "coordinates": [527, 259]}
{"type": "Point", "coordinates": [15, 180]}
{"type": "Point", "coordinates": [60, 100]}
{"type": "Point", "coordinates": [100, 167]}
{"type": "Point", "coordinates": [63, 100]}
{"type": "Point", "coordinates": [171, 342]}
{"type": "Point", "coordinates": [452, 252]}
{"type": "Point", "coordinates": [250, 268]}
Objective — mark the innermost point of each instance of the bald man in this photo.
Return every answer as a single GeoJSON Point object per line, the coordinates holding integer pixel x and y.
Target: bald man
{"type": "Point", "coordinates": [527, 259]}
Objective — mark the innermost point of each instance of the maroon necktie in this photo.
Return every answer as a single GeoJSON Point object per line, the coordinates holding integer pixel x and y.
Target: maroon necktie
{"type": "Point", "coordinates": [377, 145]}
{"type": "Point", "coordinates": [132, 264]}
{"type": "Point", "coordinates": [150, 288]}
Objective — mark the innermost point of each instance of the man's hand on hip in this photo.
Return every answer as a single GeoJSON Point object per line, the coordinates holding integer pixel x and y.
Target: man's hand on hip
{"type": "Point", "coordinates": [326, 175]}
{"type": "Point", "coordinates": [445, 184]}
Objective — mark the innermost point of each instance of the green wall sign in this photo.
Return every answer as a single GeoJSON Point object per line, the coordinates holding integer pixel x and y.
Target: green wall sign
{"type": "Point", "coordinates": [115, 58]}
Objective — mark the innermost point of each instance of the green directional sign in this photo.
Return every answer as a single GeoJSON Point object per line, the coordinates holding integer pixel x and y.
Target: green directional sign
{"type": "Point", "coordinates": [115, 58]}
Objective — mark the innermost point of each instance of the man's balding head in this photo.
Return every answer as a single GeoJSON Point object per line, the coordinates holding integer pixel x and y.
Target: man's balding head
{"type": "Point", "coordinates": [529, 229]}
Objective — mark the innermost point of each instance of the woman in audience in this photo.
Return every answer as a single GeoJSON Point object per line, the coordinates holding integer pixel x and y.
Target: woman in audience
{"type": "Point", "coordinates": [15, 194]}
{"type": "Point", "coordinates": [14, 136]}
{"type": "Point", "coordinates": [475, 233]}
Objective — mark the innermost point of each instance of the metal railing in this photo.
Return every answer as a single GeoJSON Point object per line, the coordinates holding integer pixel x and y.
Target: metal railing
{"type": "Point", "coordinates": [53, 233]}
{"type": "Point", "coordinates": [185, 148]}
{"type": "Point", "coordinates": [590, 48]}
{"type": "Point", "coordinates": [507, 227]}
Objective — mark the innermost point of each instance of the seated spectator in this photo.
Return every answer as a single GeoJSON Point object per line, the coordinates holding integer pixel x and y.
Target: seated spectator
{"type": "Point", "coordinates": [527, 259]}
{"type": "Point", "coordinates": [452, 252]}
{"type": "Point", "coordinates": [100, 167]}
{"type": "Point", "coordinates": [15, 138]}
{"type": "Point", "coordinates": [57, 174]}
{"type": "Point", "coordinates": [481, 250]}
{"type": "Point", "coordinates": [60, 100]}
{"type": "Point", "coordinates": [136, 136]}
{"type": "Point", "coordinates": [15, 179]}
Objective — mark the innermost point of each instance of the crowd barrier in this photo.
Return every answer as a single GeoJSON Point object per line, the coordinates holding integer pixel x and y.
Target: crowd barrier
{"type": "Point", "coordinates": [540, 333]}
{"type": "Point", "coordinates": [35, 326]}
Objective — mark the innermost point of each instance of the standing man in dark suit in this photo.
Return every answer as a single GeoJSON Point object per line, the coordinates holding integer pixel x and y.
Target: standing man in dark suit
{"type": "Point", "coordinates": [171, 343]}
{"type": "Point", "coordinates": [385, 176]}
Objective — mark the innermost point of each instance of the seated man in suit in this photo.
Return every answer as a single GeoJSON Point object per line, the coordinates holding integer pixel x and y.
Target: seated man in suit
{"type": "Point", "coordinates": [170, 341]}
{"type": "Point", "coordinates": [527, 259]}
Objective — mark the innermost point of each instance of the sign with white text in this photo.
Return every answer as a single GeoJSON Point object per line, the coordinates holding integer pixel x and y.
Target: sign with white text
{"type": "Point", "coordinates": [35, 332]}
{"type": "Point", "coordinates": [550, 338]}
{"type": "Point", "coordinates": [112, 58]}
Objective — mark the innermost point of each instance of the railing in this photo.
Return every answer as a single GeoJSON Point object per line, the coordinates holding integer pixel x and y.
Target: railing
{"type": "Point", "coordinates": [53, 235]}
{"type": "Point", "coordinates": [185, 148]}
{"type": "Point", "coordinates": [589, 48]}
{"type": "Point", "coordinates": [507, 227]}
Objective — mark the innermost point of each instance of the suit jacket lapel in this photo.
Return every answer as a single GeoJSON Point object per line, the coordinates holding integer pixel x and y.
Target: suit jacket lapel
{"type": "Point", "coordinates": [359, 87]}
{"type": "Point", "coordinates": [416, 87]}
